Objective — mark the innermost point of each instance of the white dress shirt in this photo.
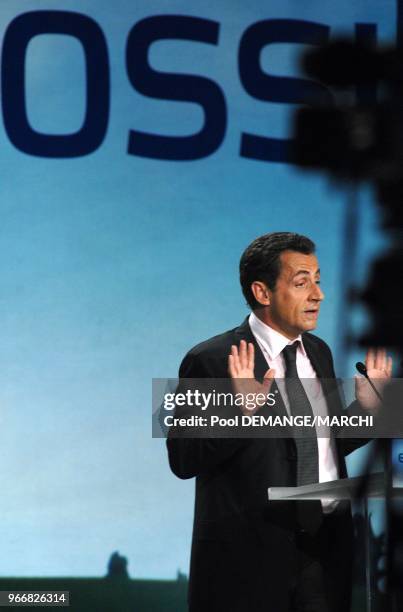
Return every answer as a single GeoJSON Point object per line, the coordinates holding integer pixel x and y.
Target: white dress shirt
{"type": "Point", "coordinates": [272, 344]}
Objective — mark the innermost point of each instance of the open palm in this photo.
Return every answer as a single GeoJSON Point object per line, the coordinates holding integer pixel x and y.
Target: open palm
{"type": "Point", "coordinates": [241, 366]}
{"type": "Point", "coordinates": [379, 369]}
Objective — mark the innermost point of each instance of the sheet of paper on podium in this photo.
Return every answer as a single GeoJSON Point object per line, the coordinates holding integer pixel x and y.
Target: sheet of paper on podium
{"type": "Point", "coordinates": [345, 488]}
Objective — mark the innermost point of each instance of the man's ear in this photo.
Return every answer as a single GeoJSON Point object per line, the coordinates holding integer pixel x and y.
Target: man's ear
{"type": "Point", "coordinates": [261, 293]}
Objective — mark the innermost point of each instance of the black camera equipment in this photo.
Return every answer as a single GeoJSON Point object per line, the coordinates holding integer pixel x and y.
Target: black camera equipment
{"type": "Point", "coordinates": [359, 139]}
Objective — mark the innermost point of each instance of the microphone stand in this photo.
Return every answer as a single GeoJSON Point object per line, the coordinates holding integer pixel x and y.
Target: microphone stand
{"type": "Point", "coordinates": [382, 450]}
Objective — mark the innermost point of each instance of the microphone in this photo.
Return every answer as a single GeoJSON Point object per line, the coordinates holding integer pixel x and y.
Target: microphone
{"type": "Point", "coordinates": [362, 369]}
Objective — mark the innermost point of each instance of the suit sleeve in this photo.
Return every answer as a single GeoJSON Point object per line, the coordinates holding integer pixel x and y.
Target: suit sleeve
{"type": "Point", "coordinates": [189, 457]}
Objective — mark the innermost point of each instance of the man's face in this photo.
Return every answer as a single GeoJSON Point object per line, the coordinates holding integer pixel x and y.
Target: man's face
{"type": "Point", "coordinates": [294, 304]}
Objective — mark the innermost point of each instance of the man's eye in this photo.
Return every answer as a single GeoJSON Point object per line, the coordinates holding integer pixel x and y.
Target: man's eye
{"type": "Point", "coordinates": [300, 285]}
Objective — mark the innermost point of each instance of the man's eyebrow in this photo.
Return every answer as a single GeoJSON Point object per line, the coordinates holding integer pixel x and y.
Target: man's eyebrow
{"type": "Point", "coordinates": [305, 272]}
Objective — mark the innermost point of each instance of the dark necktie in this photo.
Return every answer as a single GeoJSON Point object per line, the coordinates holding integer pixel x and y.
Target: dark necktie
{"type": "Point", "coordinates": [307, 446]}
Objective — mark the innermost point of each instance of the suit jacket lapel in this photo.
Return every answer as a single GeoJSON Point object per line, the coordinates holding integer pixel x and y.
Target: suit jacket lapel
{"type": "Point", "coordinates": [313, 353]}
{"type": "Point", "coordinates": [329, 384]}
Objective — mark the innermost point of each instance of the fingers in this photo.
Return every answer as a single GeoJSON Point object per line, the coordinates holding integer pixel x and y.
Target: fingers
{"type": "Point", "coordinates": [241, 360]}
{"type": "Point", "coordinates": [234, 365]}
{"type": "Point", "coordinates": [380, 359]}
{"type": "Point", "coordinates": [251, 356]}
{"type": "Point", "coordinates": [370, 359]}
{"type": "Point", "coordinates": [389, 366]}
{"type": "Point", "coordinates": [377, 359]}
{"type": "Point", "coordinates": [231, 367]}
{"type": "Point", "coordinates": [243, 354]}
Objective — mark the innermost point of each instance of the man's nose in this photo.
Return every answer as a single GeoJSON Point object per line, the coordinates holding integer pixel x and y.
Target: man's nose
{"type": "Point", "coordinates": [317, 293]}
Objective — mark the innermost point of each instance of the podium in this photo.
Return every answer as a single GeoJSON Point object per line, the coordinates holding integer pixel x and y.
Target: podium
{"type": "Point", "coordinates": [344, 489]}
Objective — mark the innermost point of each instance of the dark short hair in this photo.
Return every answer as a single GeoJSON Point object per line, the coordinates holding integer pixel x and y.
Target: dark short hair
{"type": "Point", "coordinates": [261, 260]}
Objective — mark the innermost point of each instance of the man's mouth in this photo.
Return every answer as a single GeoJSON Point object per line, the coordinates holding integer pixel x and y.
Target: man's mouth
{"type": "Point", "coordinates": [312, 311]}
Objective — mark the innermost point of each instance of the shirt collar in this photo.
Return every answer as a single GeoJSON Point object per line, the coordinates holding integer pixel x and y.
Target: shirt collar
{"type": "Point", "coordinates": [270, 339]}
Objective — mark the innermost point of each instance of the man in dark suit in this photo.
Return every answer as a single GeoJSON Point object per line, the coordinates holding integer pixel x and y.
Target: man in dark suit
{"type": "Point", "coordinates": [249, 554]}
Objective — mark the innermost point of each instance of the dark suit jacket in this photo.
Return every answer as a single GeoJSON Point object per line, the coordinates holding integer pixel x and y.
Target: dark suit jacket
{"type": "Point", "coordinates": [243, 550]}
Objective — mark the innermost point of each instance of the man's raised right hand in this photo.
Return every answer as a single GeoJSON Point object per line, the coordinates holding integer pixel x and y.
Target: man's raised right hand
{"type": "Point", "coordinates": [241, 365]}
